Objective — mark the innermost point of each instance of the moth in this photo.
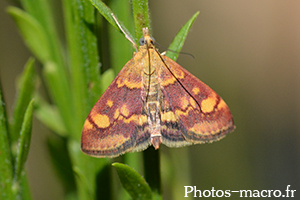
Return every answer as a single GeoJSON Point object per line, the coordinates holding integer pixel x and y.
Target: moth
{"type": "Point", "coordinates": [154, 101]}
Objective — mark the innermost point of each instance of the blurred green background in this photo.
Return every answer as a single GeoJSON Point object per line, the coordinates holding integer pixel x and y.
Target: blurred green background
{"type": "Point", "coordinates": [248, 52]}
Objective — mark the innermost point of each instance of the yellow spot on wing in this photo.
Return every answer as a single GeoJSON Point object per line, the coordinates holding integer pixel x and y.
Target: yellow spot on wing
{"type": "Point", "coordinates": [109, 103]}
{"type": "Point", "coordinates": [200, 128]}
{"type": "Point", "coordinates": [116, 115]}
{"type": "Point", "coordinates": [132, 118]}
{"type": "Point", "coordinates": [142, 119]}
{"type": "Point", "coordinates": [196, 90]}
{"type": "Point", "coordinates": [129, 84]}
{"type": "Point", "coordinates": [222, 104]}
{"type": "Point", "coordinates": [208, 104]}
{"type": "Point", "coordinates": [168, 116]}
{"type": "Point", "coordinates": [187, 102]}
{"type": "Point", "coordinates": [184, 103]}
{"type": "Point", "coordinates": [88, 125]}
{"type": "Point", "coordinates": [124, 110]}
{"type": "Point", "coordinates": [102, 121]}
{"type": "Point", "coordinates": [193, 102]}
{"type": "Point", "coordinates": [139, 119]}
{"type": "Point", "coordinates": [184, 113]}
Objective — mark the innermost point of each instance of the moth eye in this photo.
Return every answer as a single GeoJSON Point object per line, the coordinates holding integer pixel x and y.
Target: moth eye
{"type": "Point", "coordinates": [152, 41]}
{"type": "Point", "coordinates": [142, 41]}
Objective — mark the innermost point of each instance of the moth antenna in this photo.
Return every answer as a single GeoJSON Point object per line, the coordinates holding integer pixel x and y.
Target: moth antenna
{"type": "Point", "coordinates": [177, 78]}
{"type": "Point", "coordinates": [126, 35]}
{"type": "Point", "coordinates": [180, 52]}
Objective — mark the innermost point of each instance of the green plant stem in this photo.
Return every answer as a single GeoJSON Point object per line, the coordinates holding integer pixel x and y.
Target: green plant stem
{"type": "Point", "coordinates": [152, 171]}
{"type": "Point", "coordinates": [140, 16]}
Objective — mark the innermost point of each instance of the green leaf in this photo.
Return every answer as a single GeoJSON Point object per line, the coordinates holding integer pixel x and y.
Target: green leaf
{"type": "Point", "coordinates": [42, 12]}
{"type": "Point", "coordinates": [107, 14]}
{"type": "Point", "coordinates": [140, 16]}
{"type": "Point", "coordinates": [84, 60]}
{"type": "Point", "coordinates": [178, 41]}
{"type": "Point", "coordinates": [6, 169]}
{"type": "Point", "coordinates": [121, 50]}
{"type": "Point", "coordinates": [24, 95]}
{"type": "Point", "coordinates": [49, 115]}
{"type": "Point", "coordinates": [60, 94]}
{"type": "Point", "coordinates": [32, 32]}
{"type": "Point", "coordinates": [24, 142]}
{"type": "Point", "coordinates": [105, 11]}
{"type": "Point", "coordinates": [133, 182]}
{"type": "Point", "coordinates": [107, 77]}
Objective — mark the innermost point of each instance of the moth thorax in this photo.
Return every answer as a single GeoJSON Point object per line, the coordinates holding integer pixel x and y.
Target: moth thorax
{"type": "Point", "coordinates": [151, 88]}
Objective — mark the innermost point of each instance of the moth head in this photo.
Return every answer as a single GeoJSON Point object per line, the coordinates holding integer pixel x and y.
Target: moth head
{"type": "Point", "coordinates": [147, 40]}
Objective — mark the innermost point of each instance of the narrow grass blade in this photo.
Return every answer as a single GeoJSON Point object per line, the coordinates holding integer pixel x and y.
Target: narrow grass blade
{"type": "Point", "coordinates": [26, 88]}
{"type": "Point", "coordinates": [84, 60]}
{"type": "Point", "coordinates": [60, 92]}
{"type": "Point", "coordinates": [106, 13]}
{"type": "Point", "coordinates": [32, 32]}
{"type": "Point", "coordinates": [24, 142]}
{"type": "Point", "coordinates": [42, 12]}
{"type": "Point", "coordinates": [178, 41]}
{"type": "Point", "coordinates": [121, 50]}
{"type": "Point", "coordinates": [106, 78]}
{"type": "Point", "coordinates": [6, 169]}
{"type": "Point", "coordinates": [49, 115]}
